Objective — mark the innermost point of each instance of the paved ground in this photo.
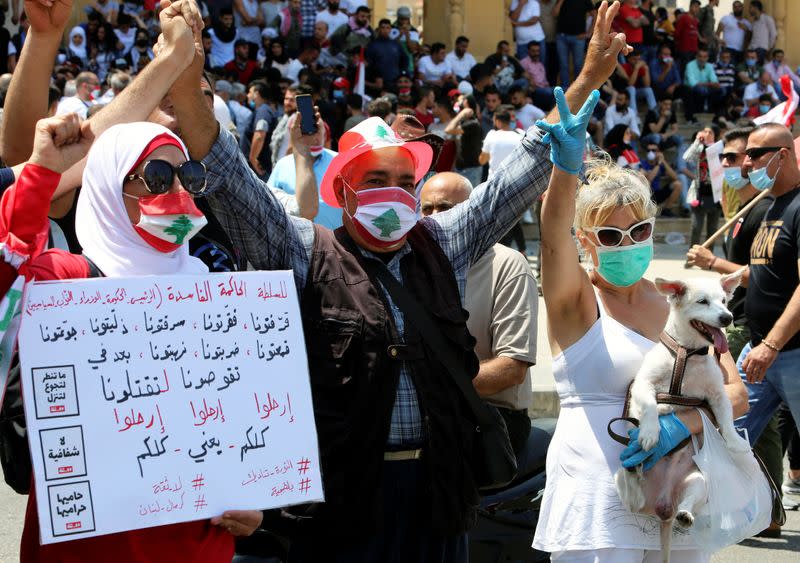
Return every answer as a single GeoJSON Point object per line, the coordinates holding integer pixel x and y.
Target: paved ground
{"type": "Point", "coordinates": [668, 262]}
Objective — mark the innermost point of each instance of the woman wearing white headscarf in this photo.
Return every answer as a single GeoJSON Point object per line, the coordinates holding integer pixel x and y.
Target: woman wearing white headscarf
{"type": "Point", "coordinates": [77, 46]}
{"type": "Point", "coordinates": [134, 217]}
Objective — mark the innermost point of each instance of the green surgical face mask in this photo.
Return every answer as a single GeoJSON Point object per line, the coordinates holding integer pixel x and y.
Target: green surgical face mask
{"type": "Point", "coordinates": [623, 266]}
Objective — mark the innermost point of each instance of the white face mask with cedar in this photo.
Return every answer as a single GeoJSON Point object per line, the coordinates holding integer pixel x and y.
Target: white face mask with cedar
{"type": "Point", "coordinates": [168, 221]}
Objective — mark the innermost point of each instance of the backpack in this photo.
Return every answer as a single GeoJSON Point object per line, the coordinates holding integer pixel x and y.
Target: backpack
{"type": "Point", "coordinates": [15, 455]}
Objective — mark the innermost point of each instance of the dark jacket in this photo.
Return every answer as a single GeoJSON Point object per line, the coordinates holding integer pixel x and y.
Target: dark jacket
{"type": "Point", "coordinates": [354, 372]}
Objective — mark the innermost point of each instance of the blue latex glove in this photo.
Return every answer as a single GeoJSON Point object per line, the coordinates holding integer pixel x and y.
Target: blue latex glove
{"type": "Point", "coordinates": [567, 138]}
{"type": "Point", "coordinates": [672, 433]}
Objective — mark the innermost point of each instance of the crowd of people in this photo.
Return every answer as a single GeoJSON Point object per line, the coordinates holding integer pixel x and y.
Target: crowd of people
{"type": "Point", "coordinates": [259, 55]}
{"type": "Point", "coordinates": [427, 158]}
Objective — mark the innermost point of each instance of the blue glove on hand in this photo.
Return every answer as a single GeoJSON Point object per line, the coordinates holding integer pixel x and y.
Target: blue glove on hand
{"type": "Point", "coordinates": [672, 433]}
{"type": "Point", "coordinates": [567, 138]}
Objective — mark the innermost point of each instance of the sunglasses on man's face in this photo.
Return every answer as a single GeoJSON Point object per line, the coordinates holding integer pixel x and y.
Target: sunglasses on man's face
{"type": "Point", "coordinates": [158, 176]}
{"type": "Point", "coordinates": [757, 152]}
{"type": "Point", "coordinates": [612, 236]}
{"type": "Point", "coordinates": [731, 156]}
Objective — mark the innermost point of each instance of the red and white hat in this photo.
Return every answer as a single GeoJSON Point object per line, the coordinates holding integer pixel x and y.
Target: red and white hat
{"type": "Point", "coordinates": [369, 135]}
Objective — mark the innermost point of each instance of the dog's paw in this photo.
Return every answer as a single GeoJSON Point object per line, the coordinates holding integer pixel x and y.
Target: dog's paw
{"type": "Point", "coordinates": [648, 436]}
{"type": "Point", "coordinates": [684, 519]}
{"type": "Point", "coordinates": [735, 443]}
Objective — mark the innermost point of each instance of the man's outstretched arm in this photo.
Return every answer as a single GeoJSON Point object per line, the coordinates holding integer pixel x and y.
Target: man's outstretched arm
{"type": "Point", "coordinates": [468, 230]}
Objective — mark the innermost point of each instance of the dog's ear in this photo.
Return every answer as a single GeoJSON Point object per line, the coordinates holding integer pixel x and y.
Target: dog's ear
{"type": "Point", "coordinates": [672, 289]}
{"type": "Point", "coordinates": [730, 282]}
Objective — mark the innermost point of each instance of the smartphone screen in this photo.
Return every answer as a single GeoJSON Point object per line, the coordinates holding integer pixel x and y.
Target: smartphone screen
{"type": "Point", "coordinates": [305, 106]}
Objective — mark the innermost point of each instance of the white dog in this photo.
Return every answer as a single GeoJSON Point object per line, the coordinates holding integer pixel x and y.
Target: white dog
{"type": "Point", "coordinates": [674, 488]}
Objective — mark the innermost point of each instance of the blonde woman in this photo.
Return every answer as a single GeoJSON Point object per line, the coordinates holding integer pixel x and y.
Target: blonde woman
{"type": "Point", "coordinates": [601, 324]}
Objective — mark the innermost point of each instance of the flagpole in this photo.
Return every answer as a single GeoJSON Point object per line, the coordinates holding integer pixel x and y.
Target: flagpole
{"type": "Point", "coordinates": [734, 219]}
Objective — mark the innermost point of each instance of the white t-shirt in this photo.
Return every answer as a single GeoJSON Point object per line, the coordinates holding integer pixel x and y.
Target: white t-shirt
{"type": "Point", "coordinates": [334, 21]}
{"type": "Point", "coordinates": [127, 39]}
{"type": "Point", "coordinates": [221, 52]}
{"type": "Point", "coordinates": [755, 90]}
{"type": "Point", "coordinates": [73, 104]}
{"type": "Point", "coordinates": [732, 33]}
{"type": "Point", "coordinates": [499, 144]}
{"type": "Point", "coordinates": [431, 71]}
{"type": "Point", "coordinates": [462, 66]}
{"type": "Point", "coordinates": [528, 33]}
{"type": "Point", "coordinates": [222, 112]}
{"type": "Point", "coordinates": [528, 114]}
{"type": "Point", "coordinates": [292, 71]}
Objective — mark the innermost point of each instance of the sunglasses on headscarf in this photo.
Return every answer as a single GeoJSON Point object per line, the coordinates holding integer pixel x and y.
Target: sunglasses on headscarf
{"type": "Point", "coordinates": [158, 176]}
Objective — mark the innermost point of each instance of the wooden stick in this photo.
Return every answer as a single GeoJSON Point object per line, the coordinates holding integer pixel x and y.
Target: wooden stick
{"type": "Point", "coordinates": [729, 224]}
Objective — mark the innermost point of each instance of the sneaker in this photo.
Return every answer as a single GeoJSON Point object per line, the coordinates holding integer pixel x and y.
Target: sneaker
{"type": "Point", "coordinates": [791, 486]}
{"type": "Point", "coordinates": [789, 504]}
{"type": "Point", "coordinates": [667, 213]}
{"type": "Point", "coordinates": [527, 218]}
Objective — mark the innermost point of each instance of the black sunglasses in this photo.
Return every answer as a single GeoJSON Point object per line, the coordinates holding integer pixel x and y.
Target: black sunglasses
{"type": "Point", "coordinates": [758, 152]}
{"type": "Point", "coordinates": [158, 176]}
{"type": "Point", "coordinates": [731, 156]}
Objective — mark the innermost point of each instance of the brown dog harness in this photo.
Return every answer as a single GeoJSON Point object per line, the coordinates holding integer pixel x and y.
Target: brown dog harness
{"type": "Point", "coordinates": [673, 396]}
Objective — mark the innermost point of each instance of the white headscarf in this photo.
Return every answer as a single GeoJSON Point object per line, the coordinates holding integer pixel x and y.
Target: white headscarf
{"type": "Point", "coordinates": [101, 222]}
{"type": "Point", "coordinates": [81, 51]}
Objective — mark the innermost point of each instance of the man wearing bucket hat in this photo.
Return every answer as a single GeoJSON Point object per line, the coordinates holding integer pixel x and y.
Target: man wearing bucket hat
{"type": "Point", "coordinates": [395, 439]}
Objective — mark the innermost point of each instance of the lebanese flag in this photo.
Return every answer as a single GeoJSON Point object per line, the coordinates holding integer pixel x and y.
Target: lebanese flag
{"type": "Point", "coordinates": [361, 75]}
{"type": "Point", "coordinates": [782, 113]}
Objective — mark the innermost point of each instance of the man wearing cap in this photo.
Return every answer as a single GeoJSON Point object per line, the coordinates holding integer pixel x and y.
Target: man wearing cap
{"type": "Point", "coordinates": [395, 441]}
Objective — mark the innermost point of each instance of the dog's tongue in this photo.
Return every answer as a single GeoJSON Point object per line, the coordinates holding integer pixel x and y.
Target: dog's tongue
{"type": "Point", "coordinates": [720, 342]}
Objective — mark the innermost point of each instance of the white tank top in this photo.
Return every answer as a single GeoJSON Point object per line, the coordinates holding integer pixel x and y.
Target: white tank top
{"type": "Point", "coordinates": [581, 509]}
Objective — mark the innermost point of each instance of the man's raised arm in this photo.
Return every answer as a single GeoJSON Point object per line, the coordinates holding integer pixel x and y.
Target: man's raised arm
{"type": "Point", "coordinates": [254, 220]}
{"type": "Point", "coordinates": [26, 100]}
{"type": "Point", "coordinates": [471, 228]}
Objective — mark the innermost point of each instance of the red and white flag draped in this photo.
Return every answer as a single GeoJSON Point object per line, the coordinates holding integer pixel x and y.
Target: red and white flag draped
{"type": "Point", "coordinates": [782, 113]}
{"type": "Point", "coordinates": [361, 75]}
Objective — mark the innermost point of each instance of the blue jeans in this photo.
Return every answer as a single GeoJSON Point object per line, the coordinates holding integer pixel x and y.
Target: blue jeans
{"type": "Point", "coordinates": [474, 174]}
{"type": "Point", "coordinates": [780, 385]}
{"type": "Point", "coordinates": [566, 45]}
{"type": "Point", "coordinates": [642, 92]}
{"type": "Point", "coordinates": [522, 50]}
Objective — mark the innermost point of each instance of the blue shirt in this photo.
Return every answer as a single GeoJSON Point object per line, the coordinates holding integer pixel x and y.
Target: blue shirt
{"type": "Point", "coordinates": [284, 177]}
{"type": "Point", "coordinates": [673, 76]}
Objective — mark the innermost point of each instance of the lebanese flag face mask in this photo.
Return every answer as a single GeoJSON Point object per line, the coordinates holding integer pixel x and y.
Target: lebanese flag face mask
{"type": "Point", "coordinates": [168, 220]}
{"type": "Point", "coordinates": [383, 215]}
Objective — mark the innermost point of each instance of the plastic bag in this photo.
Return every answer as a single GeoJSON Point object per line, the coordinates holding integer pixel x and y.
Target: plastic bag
{"type": "Point", "coordinates": [739, 496]}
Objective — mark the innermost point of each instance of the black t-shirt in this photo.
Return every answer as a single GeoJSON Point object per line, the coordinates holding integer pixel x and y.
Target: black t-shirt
{"type": "Point", "coordinates": [572, 17]}
{"type": "Point", "coordinates": [738, 251]}
{"type": "Point", "coordinates": [653, 117]}
{"type": "Point", "coordinates": [773, 267]}
{"type": "Point", "coordinates": [649, 30]}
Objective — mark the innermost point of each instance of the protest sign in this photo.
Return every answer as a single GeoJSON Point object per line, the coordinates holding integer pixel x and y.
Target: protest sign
{"type": "Point", "coordinates": [715, 171]}
{"type": "Point", "coordinates": [10, 307]}
{"type": "Point", "coordinates": [156, 400]}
